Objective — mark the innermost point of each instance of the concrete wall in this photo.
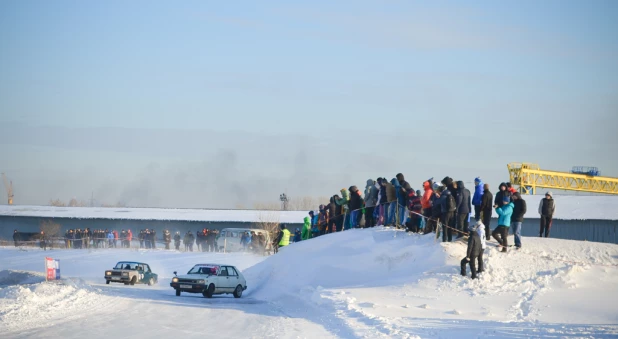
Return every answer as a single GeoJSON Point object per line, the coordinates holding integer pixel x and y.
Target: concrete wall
{"type": "Point", "coordinates": [589, 230]}
{"type": "Point", "coordinates": [31, 224]}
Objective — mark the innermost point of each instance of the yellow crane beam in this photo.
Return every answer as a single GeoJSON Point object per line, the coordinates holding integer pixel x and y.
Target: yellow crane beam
{"type": "Point", "coordinates": [529, 177]}
{"type": "Point", "coordinates": [8, 185]}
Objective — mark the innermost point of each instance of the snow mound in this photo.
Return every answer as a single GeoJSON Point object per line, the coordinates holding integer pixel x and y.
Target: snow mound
{"type": "Point", "coordinates": [11, 277]}
{"type": "Point", "coordinates": [347, 259]}
{"type": "Point", "coordinates": [363, 283]}
{"type": "Point", "coordinates": [27, 302]}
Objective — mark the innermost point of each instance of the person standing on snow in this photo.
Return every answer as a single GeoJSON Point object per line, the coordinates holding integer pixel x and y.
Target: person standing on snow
{"type": "Point", "coordinates": [477, 199]}
{"type": "Point", "coordinates": [547, 208]}
{"type": "Point", "coordinates": [504, 222]}
{"type": "Point", "coordinates": [355, 204]}
{"type": "Point", "coordinates": [504, 192]}
{"type": "Point", "coordinates": [283, 238]}
{"type": "Point", "coordinates": [427, 204]}
{"type": "Point", "coordinates": [464, 208]}
{"type": "Point", "coordinates": [177, 241]}
{"type": "Point", "coordinates": [297, 235]}
{"type": "Point", "coordinates": [518, 217]}
{"type": "Point", "coordinates": [306, 233]}
{"type": "Point", "coordinates": [371, 200]}
{"type": "Point", "coordinates": [474, 251]}
{"type": "Point", "coordinates": [487, 209]}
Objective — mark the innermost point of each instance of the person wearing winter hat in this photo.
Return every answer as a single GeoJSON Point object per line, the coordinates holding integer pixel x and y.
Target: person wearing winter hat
{"type": "Point", "coordinates": [504, 222]}
{"type": "Point", "coordinates": [479, 227]}
{"type": "Point", "coordinates": [486, 209]}
{"type": "Point", "coordinates": [547, 208]}
{"type": "Point", "coordinates": [477, 198]}
{"type": "Point", "coordinates": [518, 217]}
{"type": "Point", "coordinates": [504, 192]}
{"type": "Point", "coordinates": [475, 249]}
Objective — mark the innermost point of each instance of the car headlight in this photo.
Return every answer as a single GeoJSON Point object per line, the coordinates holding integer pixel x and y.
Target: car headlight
{"type": "Point", "coordinates": [108, 273]}
{"type": "Point", "coordinates": [200, 281]}
{"type": "Point", "coordinates": [125, 274]}
{"type": "Point", "coordinates": [174, 279]}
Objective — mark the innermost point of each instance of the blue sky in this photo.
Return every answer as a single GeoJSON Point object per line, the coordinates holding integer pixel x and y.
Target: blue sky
{"type": "Point", "coordinates": [520, 80]}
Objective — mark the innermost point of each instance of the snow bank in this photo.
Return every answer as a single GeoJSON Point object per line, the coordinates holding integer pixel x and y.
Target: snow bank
{"type": "Point", "coordinates": [386, 283]}
{"type": "Point", "coordinates": [346, 259]}
{"type": "Point", "coordinates": [26, 306]}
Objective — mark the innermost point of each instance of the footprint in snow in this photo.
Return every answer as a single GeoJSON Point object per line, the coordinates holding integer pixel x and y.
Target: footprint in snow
{"type": "Point", "coordinates": [455, 312]}
{"type": "Point", "coordinates": [424, 306]}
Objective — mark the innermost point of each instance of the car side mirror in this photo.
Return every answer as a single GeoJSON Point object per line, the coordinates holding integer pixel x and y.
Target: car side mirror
{"type": "Point", "coordinates": [175, 273]}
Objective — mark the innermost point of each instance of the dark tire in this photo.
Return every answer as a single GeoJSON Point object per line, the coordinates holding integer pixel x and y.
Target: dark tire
{"type": "Point", "coordinates": [126, 284]}
{"type": "Point", "coordinates": [209, 291]}
{"type": "Point", "coordinates": [178, 293]}
{"type": "Point", "coordinates": [133, 280]}
{"type": "Point", "coordinates": [107, 282]}
{"type": "Point", "coordinates": [238, 291]}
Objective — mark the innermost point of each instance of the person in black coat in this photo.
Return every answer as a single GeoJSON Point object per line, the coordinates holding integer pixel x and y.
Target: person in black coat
{"type": "Point", "coordinates": [503, 192]}
{"type": "Point", "coordinates": [475, 247]}
{"type": "Point", "coordinates": [517, 218]}
{"type": "Point", "coordinates": [464, 207]}
{"type": "Point", "coordinates": [487, 209]}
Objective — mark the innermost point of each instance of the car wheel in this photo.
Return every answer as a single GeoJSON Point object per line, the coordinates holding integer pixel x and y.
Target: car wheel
{"type": "Point", "coordinates": [238, 291]}
{"type": "Point", "coordinates": [107, 282]}
{"type": "Point", "coordinates": [151, 282]}
{"type": "Point", "coordinates": [178, 293]}
{"type": "Point", "coordinates": [209, 291]}
{"type": "Point", "coordinates": [133, 280]}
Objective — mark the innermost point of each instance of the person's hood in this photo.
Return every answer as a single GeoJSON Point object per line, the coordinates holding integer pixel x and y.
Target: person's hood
{"type": "Point", "coordinates": [353, 189]}
{"type": "Point", "coordinates": [478, 181]}
{"type": "Point", "coordinates": [394, 182]}
{"type": "Point", "coordinates": [502, 185]}
{"type": "Point", "coordinates": [426, 185]}
{"type": "Point", "coordinates": [307, 220]}
{"type": "Point", "coordinates": [370, 182]}
{"type": "Point", "coordinates": [332, 199]}
{"type": "Point", "coordinates": [321, 207]}
{"type": "Point", "coordinates": [460, 185]}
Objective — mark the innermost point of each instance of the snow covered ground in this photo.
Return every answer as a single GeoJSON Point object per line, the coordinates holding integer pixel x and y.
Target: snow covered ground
{"type": "Point", "coordinates": [375, 283]}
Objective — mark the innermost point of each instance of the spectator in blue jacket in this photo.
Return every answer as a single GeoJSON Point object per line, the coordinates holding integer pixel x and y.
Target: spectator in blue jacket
{"type": "Point", "coordinates": [297, 235]}
{"type": "Point", "coordinates": [504, 222]}
{"type": "Point", "coordinates": [477, 199]}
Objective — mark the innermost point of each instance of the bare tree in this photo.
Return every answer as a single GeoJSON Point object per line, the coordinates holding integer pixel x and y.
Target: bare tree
{"type": "Point", "coordinates": [307, 203]}
{"type": "Point", "coordinates": [49, 231]}
{"type": "Point", "coordinates": [269, 206]}
{"type": "Point", "coordinates": [269, 221]}
{"type": "Point", "coordinates": [75, 203]}
{"type": "Point", "coordinates": [57, 202]}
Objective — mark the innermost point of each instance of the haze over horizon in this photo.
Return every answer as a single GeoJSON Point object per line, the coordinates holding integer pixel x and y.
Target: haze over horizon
{"type": "Point", "coordinates": [214, 105]}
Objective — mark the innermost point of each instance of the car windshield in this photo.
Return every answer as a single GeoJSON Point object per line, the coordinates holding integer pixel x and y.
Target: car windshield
{"type": "Point", "coordinates": [126, 266]}
{"type": "Point", "coordinates": [201, 269]}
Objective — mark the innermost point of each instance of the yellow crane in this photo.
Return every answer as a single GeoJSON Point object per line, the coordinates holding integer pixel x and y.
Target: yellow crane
{"type": "Point", "coordinates": [529, 177]}
{"type": "Point", "coordinates": [9, 188]}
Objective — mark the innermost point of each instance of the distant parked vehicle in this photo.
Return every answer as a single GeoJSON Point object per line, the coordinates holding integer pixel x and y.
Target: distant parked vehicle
{"type": "Point", "coordinates": [210, 279]}
{"type": "Point", "coordinates": [229, 239]}
{"type": "Point", "coordinates": [131, 273]}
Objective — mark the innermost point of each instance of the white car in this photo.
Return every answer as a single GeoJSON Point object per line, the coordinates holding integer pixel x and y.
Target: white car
{"type": "Point", "coordinates": [210, 279]}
